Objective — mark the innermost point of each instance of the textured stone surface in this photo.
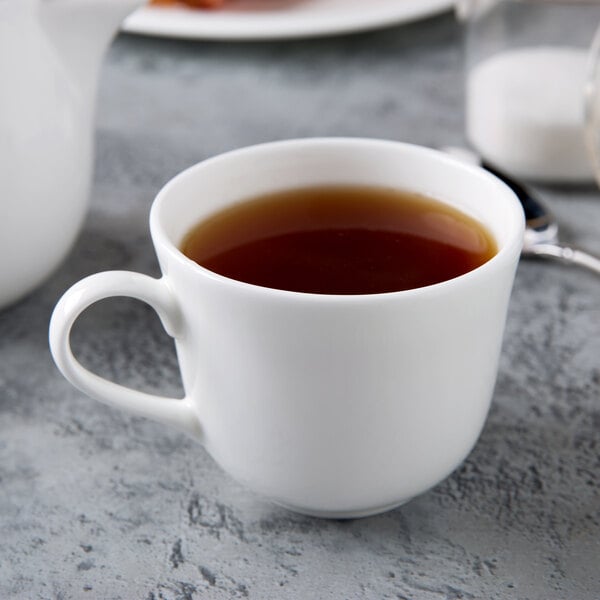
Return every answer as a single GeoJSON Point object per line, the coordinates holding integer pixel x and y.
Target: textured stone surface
{"type": "Point", "coordinates": [97, 504]}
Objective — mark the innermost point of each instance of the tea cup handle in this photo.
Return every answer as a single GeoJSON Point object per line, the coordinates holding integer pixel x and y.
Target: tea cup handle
{"type": "Point", "coordinates": [155, 292]}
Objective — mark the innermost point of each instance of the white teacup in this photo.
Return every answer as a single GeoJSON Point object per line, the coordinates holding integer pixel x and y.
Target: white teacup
{"type": "Point", "coordinates": [335, 406]}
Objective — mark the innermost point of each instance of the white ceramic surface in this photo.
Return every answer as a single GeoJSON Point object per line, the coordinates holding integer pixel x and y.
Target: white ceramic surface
{"type": "Point", "coordinates": [50, 52]}
{"type": "Point", "coordinates": [335, 406]}
{"type": "Point", "coordinates": [279, 19]}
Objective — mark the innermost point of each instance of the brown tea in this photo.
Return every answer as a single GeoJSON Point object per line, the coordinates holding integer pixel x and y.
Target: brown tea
{"type": "Point", "coordinates": [340, 240]}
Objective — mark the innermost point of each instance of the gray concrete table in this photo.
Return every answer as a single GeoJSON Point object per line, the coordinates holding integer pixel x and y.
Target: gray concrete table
{"type": "Point", "coordinates": [97, 504]}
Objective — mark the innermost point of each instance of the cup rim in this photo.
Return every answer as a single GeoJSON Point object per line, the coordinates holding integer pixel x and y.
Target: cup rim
{"type": "Point", "coordinates": [162, 240]}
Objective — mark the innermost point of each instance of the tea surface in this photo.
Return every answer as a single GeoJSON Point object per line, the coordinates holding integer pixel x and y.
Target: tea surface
{"type": "Point", "coordinates": [340, 240]}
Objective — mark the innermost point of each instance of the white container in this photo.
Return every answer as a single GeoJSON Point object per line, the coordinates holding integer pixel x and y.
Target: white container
{"type": "Point", "coordinates": [50, 54]}
{"type": "Point", "coordinates": [528, 65]}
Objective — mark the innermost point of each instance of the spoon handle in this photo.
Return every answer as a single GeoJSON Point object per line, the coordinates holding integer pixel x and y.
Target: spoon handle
{"type": "Point", "coordinates": [566, 254]}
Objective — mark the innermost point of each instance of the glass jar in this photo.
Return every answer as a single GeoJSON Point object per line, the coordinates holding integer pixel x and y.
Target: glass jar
{"type": "Point", "coordinates": [530, 86]}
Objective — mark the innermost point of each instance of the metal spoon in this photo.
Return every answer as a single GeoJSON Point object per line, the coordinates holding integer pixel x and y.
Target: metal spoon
{"type": "Point", "coordinates": [541, 228]}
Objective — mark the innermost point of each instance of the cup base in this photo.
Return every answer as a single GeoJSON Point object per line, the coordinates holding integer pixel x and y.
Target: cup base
{"type": "Point", "coordinates": [343, 514]}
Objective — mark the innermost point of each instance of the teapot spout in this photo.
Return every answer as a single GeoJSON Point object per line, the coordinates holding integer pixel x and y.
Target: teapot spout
{"type": "Point", "coordinates": [81, 30]}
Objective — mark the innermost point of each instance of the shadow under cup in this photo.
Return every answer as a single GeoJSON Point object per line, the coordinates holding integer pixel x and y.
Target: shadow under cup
{"type": "Point", "coordinates": [338, 406]}
{"type": "Point", "coordinates": [331, 405]}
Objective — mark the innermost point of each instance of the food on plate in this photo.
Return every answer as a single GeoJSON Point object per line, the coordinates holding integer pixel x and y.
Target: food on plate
{"type": "Point", "coordinates": [191, 3]}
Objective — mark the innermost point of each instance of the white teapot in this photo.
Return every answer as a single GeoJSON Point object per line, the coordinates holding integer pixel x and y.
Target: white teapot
{"type": "Point", "coordinates": [50, 55]}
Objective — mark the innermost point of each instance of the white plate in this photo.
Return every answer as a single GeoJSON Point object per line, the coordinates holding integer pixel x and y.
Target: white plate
{"type": "Point", "coordinates": [279, 19]}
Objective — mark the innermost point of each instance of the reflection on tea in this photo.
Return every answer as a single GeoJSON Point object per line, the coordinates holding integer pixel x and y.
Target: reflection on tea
{"type": "Point", "coordinates": [340, 240]}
